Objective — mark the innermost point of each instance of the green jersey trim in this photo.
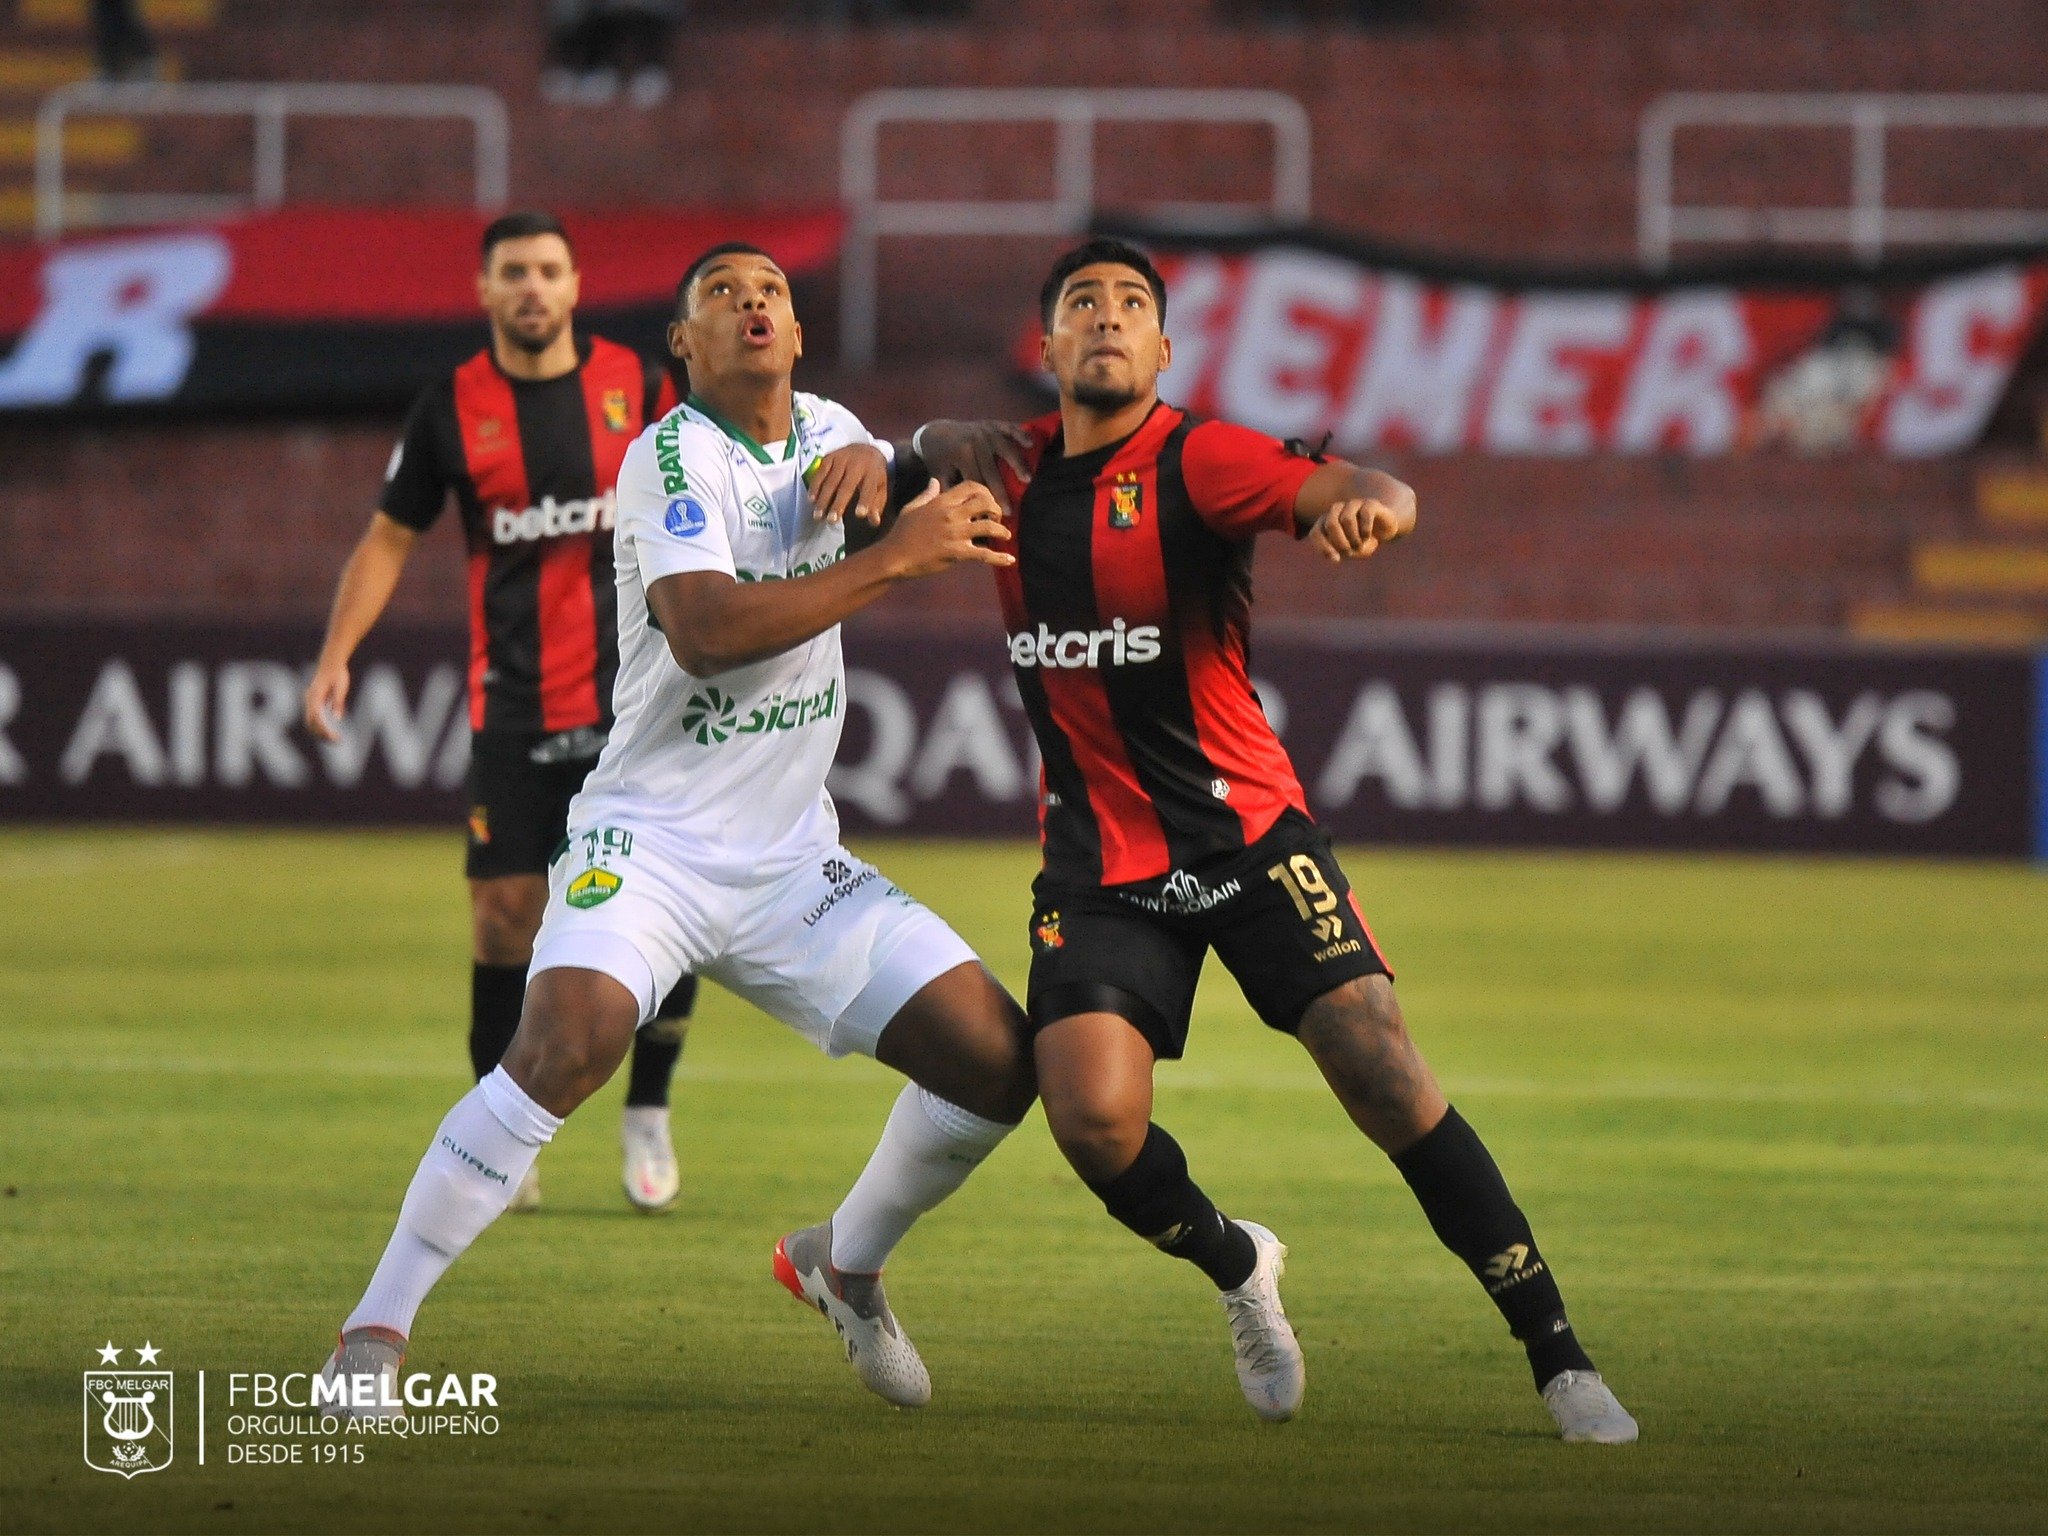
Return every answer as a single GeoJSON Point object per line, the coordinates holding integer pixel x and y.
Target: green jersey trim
{"type": "Point", "coordinates": [744, 439]}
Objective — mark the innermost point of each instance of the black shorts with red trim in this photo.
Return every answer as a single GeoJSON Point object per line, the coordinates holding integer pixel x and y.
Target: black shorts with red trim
{"type": "Point", "coordinates": [1280, 915]}
{"type": "Point", "coordinates": [520, 785]}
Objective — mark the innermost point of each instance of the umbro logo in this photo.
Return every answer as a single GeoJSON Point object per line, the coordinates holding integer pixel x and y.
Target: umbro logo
{"type": "Point", "coordinates": [836, 870]}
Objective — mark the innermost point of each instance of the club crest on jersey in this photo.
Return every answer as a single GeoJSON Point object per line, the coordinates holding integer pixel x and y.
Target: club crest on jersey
{"type": "Point", "coordinates": [1126, 502]}
{"type": "Point", "coordinates": [685, 517]}
{"type": "Point", "coordinates": [615, 415]}
{"type": "Point", "coordinates": [489, 430]}
{"type": "Point", "coordinates": [593, 888]}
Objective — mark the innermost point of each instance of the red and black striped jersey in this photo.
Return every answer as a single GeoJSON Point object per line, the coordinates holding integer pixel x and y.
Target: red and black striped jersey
{"type": "Point", "coordinates": [532, 466]}
{"type": "Point", "coordinates": [1129, 614]}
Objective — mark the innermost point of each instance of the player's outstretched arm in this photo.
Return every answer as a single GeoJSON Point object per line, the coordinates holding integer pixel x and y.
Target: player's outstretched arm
{"type": "Point", "coordinates": [714, 623]}
{"type": "Point", "coordinates": [367, 582]}
{"type": "Point", "coordinates": [1350, 512]}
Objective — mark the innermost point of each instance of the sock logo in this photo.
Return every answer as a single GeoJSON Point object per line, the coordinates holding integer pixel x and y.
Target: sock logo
{"type": "Point", "coordinates": [1501, 1265]}
{"type": "Point", "coordinates": [1170, 1236]}
{"type": "Point", "coordinates": [463, 1154]}
{"type": "Point", "coordinates": [1509, 1268]}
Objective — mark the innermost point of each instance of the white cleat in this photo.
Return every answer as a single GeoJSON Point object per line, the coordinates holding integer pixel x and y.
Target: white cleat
{"type": "Point", "coordinates": [1586, 1411]}
{"type": "Point", "coordinates": [883, 1356]}
{"type": "Point", "coordinates": [1269, 1364]}
{"type": "Point", "coordinates": [650, 1176]}
{"type": "Point", "coordinates": [527, 1196]}
{"type": "Point", "coordinates": [371, 1358]}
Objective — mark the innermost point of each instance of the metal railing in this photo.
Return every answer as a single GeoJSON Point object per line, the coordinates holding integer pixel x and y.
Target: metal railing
{"type": "Point", "coordinates": [1074, 115]}
{"type": "Point", "coordinates": [271, 106]}
{"type": "Point", "coordinates": [1865, 224]}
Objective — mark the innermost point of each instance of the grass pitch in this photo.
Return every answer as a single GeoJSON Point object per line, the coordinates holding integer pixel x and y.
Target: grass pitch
{"type": "Point", "coordinates": [1780, 1125]}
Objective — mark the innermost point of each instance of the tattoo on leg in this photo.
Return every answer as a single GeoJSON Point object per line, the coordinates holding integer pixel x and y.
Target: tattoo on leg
{"type": "Point", "coordinates": [1372, 1065]}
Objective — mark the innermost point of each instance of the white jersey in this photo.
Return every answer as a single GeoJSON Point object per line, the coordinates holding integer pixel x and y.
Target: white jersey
{"type": "Point", "coordinates": [733, 766]}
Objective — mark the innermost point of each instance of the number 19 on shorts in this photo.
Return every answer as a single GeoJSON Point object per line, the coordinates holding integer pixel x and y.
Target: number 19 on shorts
{"type": "Point", "coordinates": [1303, 881]}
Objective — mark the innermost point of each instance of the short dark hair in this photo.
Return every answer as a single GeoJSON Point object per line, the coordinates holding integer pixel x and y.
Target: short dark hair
{"type": "Point", "coordinates": [522, 226]}
{"type": "Point", "coordinates": [725, 248]}
{"type": "Point", "coordinates": [1102, 250]}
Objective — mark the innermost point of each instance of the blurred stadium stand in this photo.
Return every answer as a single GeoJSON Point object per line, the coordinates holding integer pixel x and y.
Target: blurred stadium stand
{"type": "Point", "coordinates": [1499, 128]}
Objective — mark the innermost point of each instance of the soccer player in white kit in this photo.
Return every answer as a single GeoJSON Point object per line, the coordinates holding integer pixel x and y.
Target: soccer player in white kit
{"type": "Point", "coordinates": [704, 841]}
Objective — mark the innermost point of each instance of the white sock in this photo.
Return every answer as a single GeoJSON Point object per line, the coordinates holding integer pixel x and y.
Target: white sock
{"type": "Point", "coordinates": [926, 1152]}
{"type": "Point", "coordinates": [479, 1155]}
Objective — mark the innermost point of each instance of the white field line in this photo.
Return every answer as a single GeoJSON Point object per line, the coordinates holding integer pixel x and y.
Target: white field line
{"type": "Point", "coordinates": [1692, 1091]}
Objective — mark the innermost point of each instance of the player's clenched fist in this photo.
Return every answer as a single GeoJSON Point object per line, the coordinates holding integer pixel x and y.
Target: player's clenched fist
{"type": "Point", "coordinates": [1355, 527]}
{"type": "Point", "coordinates": [940, 529]}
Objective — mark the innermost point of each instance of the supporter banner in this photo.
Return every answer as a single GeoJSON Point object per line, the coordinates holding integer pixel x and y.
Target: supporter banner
{"type": "Point", "coordinates": [1397, 739]}
{"type": "Point", "coordinates": [329, 308]}
{"type": "Point", "coordinates": [1300, 334]}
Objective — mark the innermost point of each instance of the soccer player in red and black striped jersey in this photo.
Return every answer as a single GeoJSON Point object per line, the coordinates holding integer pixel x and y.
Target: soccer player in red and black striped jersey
{"type": "Point", "coordinates": [528, 436]}
{"type": "Point", "coordinates": [1174, 825]}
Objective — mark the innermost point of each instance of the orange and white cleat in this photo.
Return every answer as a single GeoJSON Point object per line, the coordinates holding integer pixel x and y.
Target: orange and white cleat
{"type": "Point", "coordinates": [882, 1355]}
{"type": "Point", "coordinates": [369, 1360]}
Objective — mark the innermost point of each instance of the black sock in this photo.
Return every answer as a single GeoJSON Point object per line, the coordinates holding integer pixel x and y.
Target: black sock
{"type": "Point", "coordinates": [1469, 1207]}
{"type": "Point", "coordinates": [658, 1047]}
{"type": "Point", "coordinates": [496, 994]}
{"type": "Point", "coordinates": [1156, 1199]}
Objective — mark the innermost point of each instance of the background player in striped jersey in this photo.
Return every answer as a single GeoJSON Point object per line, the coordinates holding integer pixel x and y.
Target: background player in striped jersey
{"type": "Point", "coordinates": [528, 435]}
{"type": "Point", "coordinates": [1173, 825]}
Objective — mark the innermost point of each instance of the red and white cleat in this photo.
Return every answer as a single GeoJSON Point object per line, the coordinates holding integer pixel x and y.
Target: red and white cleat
{"type": "Point", "coordinates": [883, 1356]}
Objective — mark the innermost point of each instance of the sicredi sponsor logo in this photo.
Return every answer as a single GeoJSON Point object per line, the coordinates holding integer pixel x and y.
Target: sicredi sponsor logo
{"type": "Point", "coordinates": [1116, 646]}
{"type": "Point", "coordinates": [554, 519]}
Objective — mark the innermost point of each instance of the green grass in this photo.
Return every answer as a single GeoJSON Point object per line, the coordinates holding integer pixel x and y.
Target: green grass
{"type": "Point", "coordinates": [1781, 1126]}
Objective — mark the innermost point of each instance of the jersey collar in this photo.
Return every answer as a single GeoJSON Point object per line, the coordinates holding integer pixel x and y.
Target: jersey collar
{"type": "Point", "coordinates": [1054, 453]}
{"type": "Point", "coordinates": [744, 439]}
{"type": "Point", "coordinates": [583, 349]}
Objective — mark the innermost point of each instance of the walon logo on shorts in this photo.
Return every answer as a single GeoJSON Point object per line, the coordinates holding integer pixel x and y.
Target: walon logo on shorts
{"type": "Point", "coordinates": [593, 888]}
{"type": "Point", "coordinates": [128, 1422]}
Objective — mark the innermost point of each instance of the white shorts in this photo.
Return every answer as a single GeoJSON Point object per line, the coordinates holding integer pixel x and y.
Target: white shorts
{"type": "Point", "coordinates": [831, 948]}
